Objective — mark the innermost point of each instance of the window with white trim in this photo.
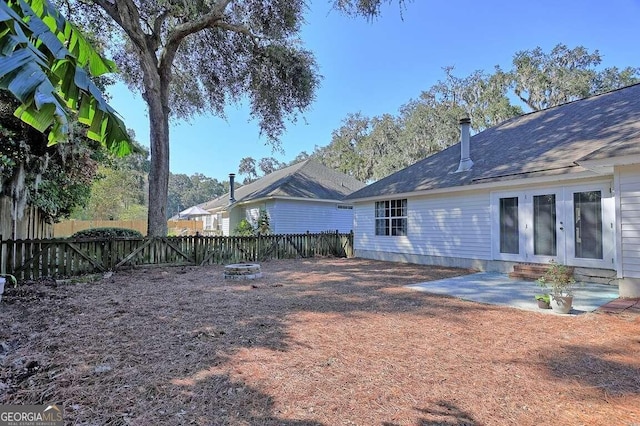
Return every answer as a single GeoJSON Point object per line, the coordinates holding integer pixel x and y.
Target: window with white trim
{"type": "Point", "coordinates": [391, 217]}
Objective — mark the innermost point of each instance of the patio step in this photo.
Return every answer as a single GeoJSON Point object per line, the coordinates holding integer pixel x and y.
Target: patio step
{"type": "Point", "coordinates": [528, 271]}
{"type": "Point", "coordinates": [593, 275]}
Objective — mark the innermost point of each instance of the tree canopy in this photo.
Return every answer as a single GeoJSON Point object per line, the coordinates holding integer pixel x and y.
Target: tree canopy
{"type": "Point", "coordinates": [542, 80]}
{"type": "Point", "coordinates": [186, 191]}
{"type": "Point", "coordinates": [190, 57]}
{"type": "Point", "coordinates": [118, 191]}
{"type": "Point", "coordinates": [266, 165]}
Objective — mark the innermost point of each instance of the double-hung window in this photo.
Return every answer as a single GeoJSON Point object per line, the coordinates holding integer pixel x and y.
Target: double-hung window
{"type": "Point", "coordinates": [391, 217]}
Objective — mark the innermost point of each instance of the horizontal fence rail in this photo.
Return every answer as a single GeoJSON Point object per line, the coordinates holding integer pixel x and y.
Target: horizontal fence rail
{"type": "Point", "coordinates": [66, 257]}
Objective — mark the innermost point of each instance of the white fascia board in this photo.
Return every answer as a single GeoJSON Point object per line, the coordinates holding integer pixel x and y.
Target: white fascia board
{"type": "Point", "coordinates": [219, 209]}
{"type": "Point", "coordinates": [606, 165]}
{"type": "Point", "coordinates": [281, 197]}
{"type": "Point", "coordinates": [515, 184]}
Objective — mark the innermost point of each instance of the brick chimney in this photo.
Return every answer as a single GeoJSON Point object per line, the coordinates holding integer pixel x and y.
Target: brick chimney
{"type": "Point", "coordinates": [465, 156]}
{"type": "Point", "coordinates": [232, 198]}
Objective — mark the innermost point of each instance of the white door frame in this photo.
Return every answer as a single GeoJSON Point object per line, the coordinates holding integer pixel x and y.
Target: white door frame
{"type": "Point", "coordinates": [564, 226]}
{"type": "Point", "coordinates": [558, 226]}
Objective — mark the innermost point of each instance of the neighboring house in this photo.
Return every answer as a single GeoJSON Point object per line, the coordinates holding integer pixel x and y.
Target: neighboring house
{"type": "Point", "coordinates": [305, 197]}
{"type": "Point", "coordinates": [560, 184]}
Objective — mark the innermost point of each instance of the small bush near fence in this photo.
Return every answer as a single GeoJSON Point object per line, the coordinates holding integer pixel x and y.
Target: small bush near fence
{"type": "Point", "coordinates": [33, 259]}
{"type": "Point", "coordinates": [106, 233]}
{"type": "Point", "coordinates": [175, 227]}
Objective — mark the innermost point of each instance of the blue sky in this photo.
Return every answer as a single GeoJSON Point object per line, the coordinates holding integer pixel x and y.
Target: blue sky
{"type": "Point", "coordinates": [376, 67]}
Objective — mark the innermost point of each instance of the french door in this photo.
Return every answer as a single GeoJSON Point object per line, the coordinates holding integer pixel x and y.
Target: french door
{"type": "Point", "coordinates": [544, 227]}
{"type": "Point", "coordinates": [571, 225]}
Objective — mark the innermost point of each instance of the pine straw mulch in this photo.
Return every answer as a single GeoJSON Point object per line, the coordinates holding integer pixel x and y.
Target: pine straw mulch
{"type": "Point", "coordinates": [314, 342]}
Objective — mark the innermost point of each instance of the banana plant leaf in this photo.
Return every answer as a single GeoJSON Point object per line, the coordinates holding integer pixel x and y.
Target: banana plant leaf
{"type": "Point", "coordinates": [43, 63]}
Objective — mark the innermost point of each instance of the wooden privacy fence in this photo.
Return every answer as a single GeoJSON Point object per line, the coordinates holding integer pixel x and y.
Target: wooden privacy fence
{"type": "Point", "coordinates": [33, 259]}
{"type": "Point", "coordinates": [32, 224]}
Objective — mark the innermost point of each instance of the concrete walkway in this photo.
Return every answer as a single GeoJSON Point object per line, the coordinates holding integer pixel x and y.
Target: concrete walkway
{"type": "Point", "coordinates": [498, 289]}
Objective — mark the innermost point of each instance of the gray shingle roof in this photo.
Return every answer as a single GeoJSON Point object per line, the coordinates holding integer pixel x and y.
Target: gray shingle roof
{"type": "Point", "coordinates": [543, 143]}
{"type": "Point", "coordinates": [307, 179]}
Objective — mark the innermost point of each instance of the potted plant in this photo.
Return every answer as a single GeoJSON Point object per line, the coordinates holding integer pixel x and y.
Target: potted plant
{"type": "Point", "coordinates": [3, 280]}
{"type": "Point", "coordinates": [543, 301]}
{"type": "Point", "coordinates": [559, 280]}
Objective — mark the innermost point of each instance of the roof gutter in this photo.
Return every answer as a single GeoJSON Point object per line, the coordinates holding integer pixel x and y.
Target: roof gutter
{"type": "Point", "coordinates": [480, 186]}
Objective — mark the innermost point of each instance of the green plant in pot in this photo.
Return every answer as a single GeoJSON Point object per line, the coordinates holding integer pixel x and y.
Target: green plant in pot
{"type": "Point", "coordinates": [543, 301]}
{"type": "Point", "coordinates": [558, 279]}
{"type": "Point", "coordinates": [3, 279]}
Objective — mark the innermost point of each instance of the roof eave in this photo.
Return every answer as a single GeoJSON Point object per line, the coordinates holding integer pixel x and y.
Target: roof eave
{"type": "Point", "coordinates": [606, 165]}
{"type": "Point", "coordinates": [480, 186]}
{"type": "Point", "coordinates": [284, 197]}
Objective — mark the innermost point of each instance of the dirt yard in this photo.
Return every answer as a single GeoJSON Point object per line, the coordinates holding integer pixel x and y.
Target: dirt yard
{"type": "Point", "coordinates": [314, 342]}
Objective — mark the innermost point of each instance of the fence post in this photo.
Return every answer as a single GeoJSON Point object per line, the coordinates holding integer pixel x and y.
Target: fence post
{"type": "Point", "coordinates": [351, 247]}
{"type": "Point", "coordinates": [196, 241]}
{"type": "Point", "coordinates": [257, 251]}
{"type": "Point", "coordinates": [106, 254]}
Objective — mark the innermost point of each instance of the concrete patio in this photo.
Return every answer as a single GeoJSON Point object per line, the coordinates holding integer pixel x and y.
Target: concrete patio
{"type": "Point", "coordinates": [498, 289]}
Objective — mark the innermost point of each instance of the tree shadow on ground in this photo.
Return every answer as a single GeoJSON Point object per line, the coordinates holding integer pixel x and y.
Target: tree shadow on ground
{"type": "Point", "coordinates": [442, 413]}
{"type": "Point", "coordinates": [374, 286]}
{"type": "Point", "coordinates": [219, 400]}
{"type": "Point", "coordinates": [597, 367]}
{"type": "Point", "coordinates": [174, 335]}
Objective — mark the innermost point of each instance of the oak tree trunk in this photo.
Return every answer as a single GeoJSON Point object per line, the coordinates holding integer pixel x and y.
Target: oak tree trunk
{"type": "Point", "coordinates": [156, 96]}
{"type": "Point", "coordinates": [159, 173]}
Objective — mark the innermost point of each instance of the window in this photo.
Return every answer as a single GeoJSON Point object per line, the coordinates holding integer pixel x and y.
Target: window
{"type": "Point", "coordinates": [208, 222]}
{"type": "Point", "coordinates": [587, 217]}
{"type": "Point", "coordinates": [509, 232]}
{"type": "Point", "coordinates": [391, 217]}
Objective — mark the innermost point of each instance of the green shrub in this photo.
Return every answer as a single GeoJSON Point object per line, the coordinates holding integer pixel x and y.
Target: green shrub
{"type": "Point", "coordinates": [264, 226]}
{"type": "Point", "coordinates": [107, 233]}
{"type": "Point", "coordinates": [244, 229]}
{"type": "Point", "coordinates": [559, 279]}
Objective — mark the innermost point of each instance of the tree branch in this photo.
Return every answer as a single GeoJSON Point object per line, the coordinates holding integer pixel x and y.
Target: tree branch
{"type": "Point", "coordinates": [154, 39]}
{"type": "Point", "coordinates": [125, 13]}
{"type": "Point", "coordinates": [157, 26]}
{"type": "Point", "coordinates": [110, 8]}
{"type": "Point", "coordinates": [181, 31]}
{"type": "Point", "coordinates": [238, 29]}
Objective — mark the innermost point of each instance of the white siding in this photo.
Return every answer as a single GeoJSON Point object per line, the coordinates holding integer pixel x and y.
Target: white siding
{"type": "Point", "coordinates": [225, 226]}
{"type": "Point", "coordinates": [629, 189]}
{"type": "Point", "coordinates": [296, 217]}
{"type": "Point", "coordinates": [252, 214]}
{"type": "Point", "coordinates": [446, 226]}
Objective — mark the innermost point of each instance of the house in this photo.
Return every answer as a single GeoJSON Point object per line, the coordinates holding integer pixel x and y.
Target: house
{"type": "Point", "coordinates": [560, 184]}
{"type": "Point", "coordinates": [305, 197]}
